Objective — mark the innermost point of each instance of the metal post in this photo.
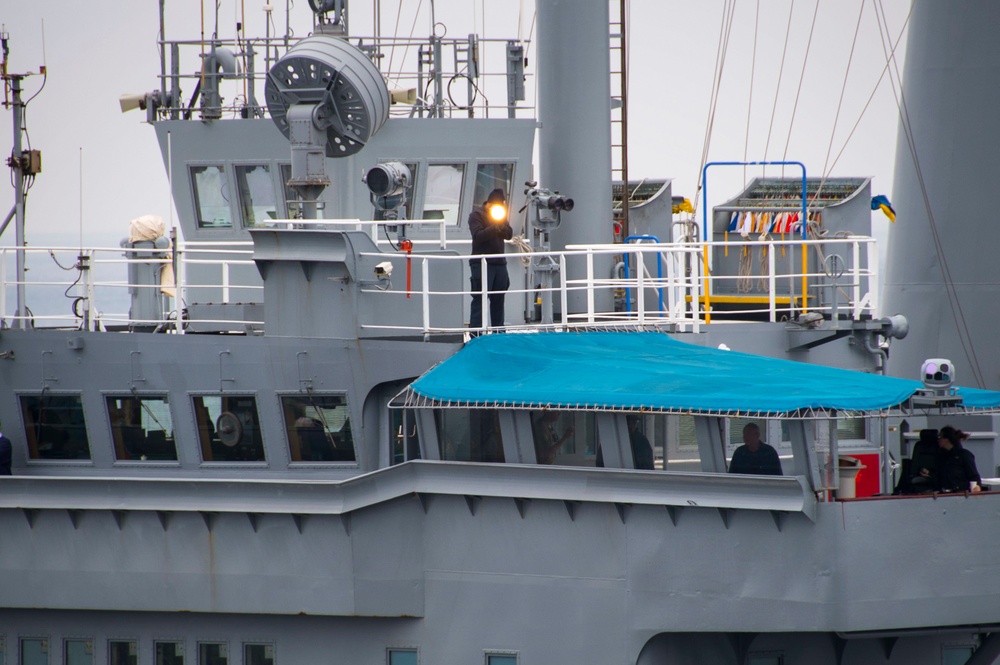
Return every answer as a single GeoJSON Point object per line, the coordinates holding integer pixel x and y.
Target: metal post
{"type": "Point", "coordinates": [18, 167]}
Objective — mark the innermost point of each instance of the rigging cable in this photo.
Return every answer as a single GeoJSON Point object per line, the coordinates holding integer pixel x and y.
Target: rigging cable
{"type": "Point", "coordinates": [753, 71]}
{"type": "Point", "coordinates": [964, 336]}
{"type": "Point", "coordinates": [802, 77]}
{"type": "Point", "coordinates": [840, 104]}
{"type": "Point", "coordinates": [728, 10]}
{"type": "Point", "coordinates": [781, 69]}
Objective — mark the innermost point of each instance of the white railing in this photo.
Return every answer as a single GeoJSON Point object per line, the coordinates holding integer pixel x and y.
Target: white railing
{"type": "Point", "coordinates": [665, 285]}
{"type": "Point", "coordinates": [634, 285]}
{"type": "Point", "coordinates": [96, 293]}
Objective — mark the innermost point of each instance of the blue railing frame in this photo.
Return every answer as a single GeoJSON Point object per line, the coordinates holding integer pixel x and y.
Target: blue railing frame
{"type": "Point", "coordinates": [704, 190]}
{"type": "Point", "coordinates": [628, 272]}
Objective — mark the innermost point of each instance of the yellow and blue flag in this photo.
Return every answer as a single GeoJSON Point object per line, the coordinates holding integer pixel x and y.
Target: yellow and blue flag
{"type": "Point", "coordinates": [881, 202]}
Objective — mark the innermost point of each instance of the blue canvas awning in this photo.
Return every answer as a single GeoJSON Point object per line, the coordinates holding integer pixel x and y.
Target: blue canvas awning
{"type": "Point", "coordinates": [650, 371]}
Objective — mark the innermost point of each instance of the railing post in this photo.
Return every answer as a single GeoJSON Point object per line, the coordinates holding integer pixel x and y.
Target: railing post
{"type": "Point", "coordinates": [563, 296]}
{"type": "Point", "coordinates": [590, 285]}
{"type": "Point", "coordinates": [771, 282]}
{"type": "Point", "coordinates": [640, 286]}
{"type": "Point", "coordinates": [425, 296]}
{"type": "Point", "coordinates": [225, 282]}
{"type": "Point", "coordinates": [180, 288]}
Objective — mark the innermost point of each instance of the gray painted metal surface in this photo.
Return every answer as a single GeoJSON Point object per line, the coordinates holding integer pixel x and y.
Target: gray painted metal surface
{"type": "Point", "coordinates": [456, 560]}
{"type": "Point", "coordinates": [943, 275]}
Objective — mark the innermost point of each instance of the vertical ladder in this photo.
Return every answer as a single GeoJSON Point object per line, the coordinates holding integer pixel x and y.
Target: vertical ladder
{"type": "Point", "coordinates": [618, 54]}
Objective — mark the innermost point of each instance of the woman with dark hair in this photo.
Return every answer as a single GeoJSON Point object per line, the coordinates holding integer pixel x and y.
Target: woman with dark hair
{"type": "Point", "coordinates": [958, 466]}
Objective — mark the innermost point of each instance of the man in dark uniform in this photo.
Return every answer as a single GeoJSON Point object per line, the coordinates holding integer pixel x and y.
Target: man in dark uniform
{"type": "Point", "coordinates": [489, 227]}
{"type": "Point", "coordinates": [755, 456]}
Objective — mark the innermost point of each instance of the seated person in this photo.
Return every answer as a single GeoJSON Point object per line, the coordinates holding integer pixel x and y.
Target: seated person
{"type": "Point", "coordinates": [925, 463]}
{"type": "Point", "coordinates": [958, 466]}
{"type": "Point", "coordinates": [755, 456]}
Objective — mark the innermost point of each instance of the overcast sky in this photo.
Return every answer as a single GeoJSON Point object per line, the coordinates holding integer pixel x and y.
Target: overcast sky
{"type": "Point", "coordinates": [97, 50]}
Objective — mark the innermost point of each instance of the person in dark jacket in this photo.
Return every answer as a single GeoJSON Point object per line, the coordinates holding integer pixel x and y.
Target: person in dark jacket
{"type": "Point", "coordinates": [755, 456]}
{"type": "Point", "coordinates": [489, 227]}
{"type": "Point", "coordinates": [925, 462]}
{"type": "Point", "coordinates": [958, 466]}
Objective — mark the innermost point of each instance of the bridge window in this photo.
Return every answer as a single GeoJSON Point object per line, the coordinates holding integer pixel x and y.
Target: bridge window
{"type": "Point", "coordinates": [443, 196]}
{"type": "Point", "coordinates": [490, 177]}
{"type": "Point", "coordinates": [769, 658]}
{"type": "Point", "coordinates": [54, 427]}
{"type": "Point", "coordinates": [168, 653]}
{"type": "Point", "coordinates": [211, 196]}
{"type": "Point", "coordinates": [141, 428]}
{"type": "Point", "coordinates": [318, 428]}
{"type": "Point", "coordinates": [567, 438]}
{"type": "Point", "coordinates": [123, 652]}
{"type": "Point", "coordinates": [501, 659]}
{"type": "Point", "coordinates": [402, 657]}
{"type": "Point", "coordinates": [213, 653]}
{"type": "Point", "coordinates": [405, 443]}
{"type": "Point", "coordinates": [256, 191]}
{"type": "Point", "coordinates": [258, 654]}
{"type": "Point", "coordinates": [228, 428]}
{"type": "Point", "coordinates": [79, 652]}
{"type": "Point", "coordinates": [34, 651]}
{"type": "Point", "coordinates": [470, 435]}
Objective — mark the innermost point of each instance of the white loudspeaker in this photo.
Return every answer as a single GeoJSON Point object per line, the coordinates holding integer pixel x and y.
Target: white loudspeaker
{"type": "Point", "coordinates": [408, 96]}
{"type": "Point", "coordinates": [133, 101]}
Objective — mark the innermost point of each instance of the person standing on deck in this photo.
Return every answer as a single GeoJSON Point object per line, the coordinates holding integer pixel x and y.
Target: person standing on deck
{"type": "Point", "coordinates": [755, 456]}
{"type": "Point", "coordinates": [489, 226]}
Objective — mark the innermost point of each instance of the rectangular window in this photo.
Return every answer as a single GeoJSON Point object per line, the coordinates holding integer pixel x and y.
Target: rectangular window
{"type": "Point", "coordinates": [79, 652]}
{"type": "Point", "coordinates": [123, 652]}
{"type": "Point", "coordinates": [34, 651]}
{"type": "Point", "coordinates": [258, 654]}
{"type": "Point", "coordinates": [213, 653]}
{"type": "Point", "coordinates": [211, 197]}
{"type": "Point", "coordinates": [141, 428]}
{"type": "Point", "coordinates": [956, 655]}
{"type": "Point", "coordinates": [564, 437]}
{"type": "Point", "coordinates": [405, 444]}
{"type": "Point", "coordinates": [501, 659]}
{"type": "Point", "coordinates": [228, 428]}
{"type": "Point", "coordinates": [490, 177]}
{"type": "Point", "coordinates": [471, 435]}
{"type": "Point", "coordinates": [168, 653]}
{"type": "Point", "coordinates": [256, 191]}
{"type": "Point", "coordinates": [402, 657]}
{"type": "Point", "coordinates": [443, 197]}
{"type": "Point", "coordinates": [318, 428]}
{"type": "Point", "coordinates": [765, 659]}
{"type": "Point", "coordinates": [54, 426]}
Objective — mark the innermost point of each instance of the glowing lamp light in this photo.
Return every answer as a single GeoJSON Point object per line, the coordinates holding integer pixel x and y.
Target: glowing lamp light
{"type": "Point", "coordinates": [497, 212]}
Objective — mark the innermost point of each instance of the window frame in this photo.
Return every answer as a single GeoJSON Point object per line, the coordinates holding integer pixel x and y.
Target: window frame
{"type": "Point", "coordinates": [169, 640]}
{"type": "Point", "coordinates": [196, 200]}
{"type": "Point", "coordinates": [301, 463]}
{"type": "Point", "coordinates": [462, 202]}
{"type": "Point", "coordinates": [391, 650]}
{"type": "Point", "coordinates": [124, 640]}
{"type": "Point", "coordinates": [277, 192]}
{"type": "Point", "coordinates": [502, 653]}
{"type": "Point", "coordinates": [42, 638]}
{"type": "Point", "coordinates": [109, 395]}
{"type": "Point", "coordinates": [242, 464]}
{"type": "Point", "coordinates": [41, 461]}
{"type": "Point", "coordinates": [265, 644]}
{"type": "Point", "coordinates": [65, 648]}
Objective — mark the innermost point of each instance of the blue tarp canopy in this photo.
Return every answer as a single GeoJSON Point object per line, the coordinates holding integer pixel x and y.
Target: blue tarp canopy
{"type": "Point", "coordinates": [650, 371]}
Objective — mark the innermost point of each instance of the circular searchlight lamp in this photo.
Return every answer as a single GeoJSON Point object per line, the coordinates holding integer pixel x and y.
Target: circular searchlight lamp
{"type": "Point", "coordinates": [387, 179]}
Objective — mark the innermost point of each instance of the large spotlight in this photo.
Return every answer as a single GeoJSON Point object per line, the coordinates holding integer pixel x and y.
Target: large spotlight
{"type": "Point", "coordinates": [497, 212]}
{"type": "Point", "coordinates": [388, 179]}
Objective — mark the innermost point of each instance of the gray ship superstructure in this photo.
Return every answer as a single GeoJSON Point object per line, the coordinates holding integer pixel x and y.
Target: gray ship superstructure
{"type": "Point", "coordinates": [292, 448]}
